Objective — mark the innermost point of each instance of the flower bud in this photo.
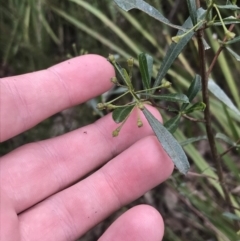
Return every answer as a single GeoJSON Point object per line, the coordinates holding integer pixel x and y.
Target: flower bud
{"type": "Point", "coordinates": [140, 105]}
{"type": "Point", "coordinates": [230, 35]}
{"type": "Point", "coordinates": [101, 106]}
{"type": "Point", "coordinates": [166, 84]}
{"type": "Point", "coordinates": [139, 123]}
{"type": "Point", "coordinates": [130, 62]}
{"type": "Point", "coordinates": [111, 58]}
{"type": "Point", "coordinates": [176, 39]}
{"type": "Point", "coordinates": [116, 132]}
{"type": "Point", "coordinates": [111, 107]}
{"type": "Point", "coordinates": [114, 80]}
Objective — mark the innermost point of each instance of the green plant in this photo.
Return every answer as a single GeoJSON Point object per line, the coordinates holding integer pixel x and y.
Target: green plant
{"type": "Point", "coordinates": [193, 206]}
{"type": "Point", "coordinates": [196, 24]}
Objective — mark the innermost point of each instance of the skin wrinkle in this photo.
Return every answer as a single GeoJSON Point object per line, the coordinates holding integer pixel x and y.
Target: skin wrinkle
{"type": "Point", "coordinates": [55, 73]}
{"type": "Point", "coordinates": [62, 214]}
{"type": "Point", "coordinates": [52, 155]}
{"type": "Point", "coordinates": [108, 179]}
{"type": "Point", "coordinates": [66, 221]}
{"type": "Point", "coordinates": [102, 131]}
{"type": "Point", "coordinates": [18, 98]}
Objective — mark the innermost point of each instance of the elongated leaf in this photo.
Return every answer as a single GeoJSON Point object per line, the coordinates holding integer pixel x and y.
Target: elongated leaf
{"type": "Point", "coordinates": [126, 77]}
{"type": "Point", "coordinates": [199, 106]}
{"type": "Point", "coordinates": [176, 48]}
{"type": "Point", "coordinates": [146, 67]}
{"type": "Point", "coordinates": [121, 113]}
{"type": "Point", "coordinates": [173, 123]}
{"type": "Point", "coordinates": [175, 97]}
{"type": "Point", "coordinates": [222, 96]}
{"type": "Point", "coordinates": [168, 142]}
{"type": "Point", "coordinates": [147, 8]}
{"type": "Point", "coordinates": [192, 8]}
{"type": "Point", "coordinates": [172, 53]}
{"type": "Point", "coordinates": [225, 138]}
{"type": "Point", "coordinates": [229, 6]}
{"type": "Point", "coordinates": [234, 54]}
{"type": "Point", "coordinates": [237, 39]}
{"type": "Point", "coordinates": [194, 88]}
{"type": "Point", "coordinates": [231, 216]}
{"type": "Point", "coordinates": [227, 21]}
{"type": "Point", "coordinates": [192, 140]}
{"type": "Point", "coordinates": [90, 32]}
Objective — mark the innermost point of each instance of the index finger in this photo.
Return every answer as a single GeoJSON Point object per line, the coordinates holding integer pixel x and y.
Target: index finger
{"type": "Point", "coordinates": [28, 99]}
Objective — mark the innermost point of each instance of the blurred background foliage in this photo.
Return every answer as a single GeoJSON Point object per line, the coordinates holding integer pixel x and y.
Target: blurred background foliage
{"type": "Point", "coordinates": [35, 34]}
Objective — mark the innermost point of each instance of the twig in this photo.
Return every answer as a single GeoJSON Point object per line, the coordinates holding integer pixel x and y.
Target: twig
{"type": "Point", "coordinates": [207, 116]}
{"type": "Point", "coordinates": [229, 149]}
{"type": "Point", "coordinates": [192, 119]}
{"type": "Point", "coordinates": [201, 175]}
{"type": "Point", "coordinates": [219, 51]}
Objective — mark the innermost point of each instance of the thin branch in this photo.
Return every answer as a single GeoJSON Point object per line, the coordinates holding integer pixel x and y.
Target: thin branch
{"type": "Point", "coordinates": [229, 149]}
{"type": "Point", "coordinates": [207, 117]}
{"type": "Point", "coordinates": [193, 119]}
{"type": "Point", "coordinates": [202, 175]}
{"type": "Point", "coordinates": [219, 51]}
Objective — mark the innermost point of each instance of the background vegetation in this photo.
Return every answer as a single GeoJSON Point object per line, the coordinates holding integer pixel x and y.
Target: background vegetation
{"type": "Point", "coordinates": [35, 34]}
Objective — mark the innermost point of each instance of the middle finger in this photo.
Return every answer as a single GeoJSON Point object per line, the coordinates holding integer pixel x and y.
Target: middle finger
{"type": "Point", "coordinates": [37, 170]}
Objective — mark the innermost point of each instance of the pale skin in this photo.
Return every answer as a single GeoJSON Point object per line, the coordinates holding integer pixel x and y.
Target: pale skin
{"type": "Point", "coordinates": [45, 194]}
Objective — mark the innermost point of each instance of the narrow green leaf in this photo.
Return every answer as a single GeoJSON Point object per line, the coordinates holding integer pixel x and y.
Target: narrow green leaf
{"type": "Point", "coordinates": [199, 106]}
{"type": "Point", "coordinates": [146, 67]}
{"type": "Point", "coordinates": [173, 123]}
{"type": "Point", "coordinates": [127, 5]}
{"type": "Point", "coordinates": [193, 89]}
{"type": "Point", "coordinates": [175, 49]}
{"type": "Point", "coordinates": [126, 77]}
{"type": "Point", "coordinates": [234, 54]}
{"type": "Point", "coordinates": [229, 6]}
{"type": "Point", "coordinates": [222, 96]}
{"type": "Point", "coordinates": [168, 142]}
{"type": "Point", "coordinates": [79, 25]}
{"type": "Point", "coordinates": [192, 140]}
{"type": "Point", "coordinates": [192, 9]}
{"type": "Point", "coordinates": [231, 123]}
{"type": "Point", "coordinates": [225, 138]}
{"type": "Point", "coordinates": [173, 97]}
{"type": "Point", "coordinates": [227, 21]}
{"type": "Point", "coordinates": [172, 53]}
{"type": "Point", "coordinates": [121, 113]}
{"type": "Point", "coordinates": [235, 40]}
{"type": "Point", "coordinates": [231, 216]}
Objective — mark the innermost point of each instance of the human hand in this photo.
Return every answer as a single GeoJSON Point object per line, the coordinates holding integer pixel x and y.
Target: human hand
{"type": "Point", "coordinates": [41, 195]}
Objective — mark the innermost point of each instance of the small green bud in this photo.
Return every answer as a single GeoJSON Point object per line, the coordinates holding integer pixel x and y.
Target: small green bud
{"type": "Point", "coordinates": [166, 84]}
{"type": "Point", "coordinates": [114, 80]}
{"type": "Point", "coordinates": [176, 39]}
{"type": "Point", "coordinates": [130, 62]}
{"type": "Point", "coordinates": [140, 105]}
{"type": "Point", "coordinates": [116, 132]}
{"type": "Point", "coordinates": [111, 59]}
{"type": "Point", "coordinates": [199, 106]}
{"type": "Point", "coordinates": [101, 106]}
{"type": "Point", "coordinates": [111, 107]}
{"type": "Point", "coordinates": [139, 123]}
{"type": "Point", "coordinates": [230, 35]}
